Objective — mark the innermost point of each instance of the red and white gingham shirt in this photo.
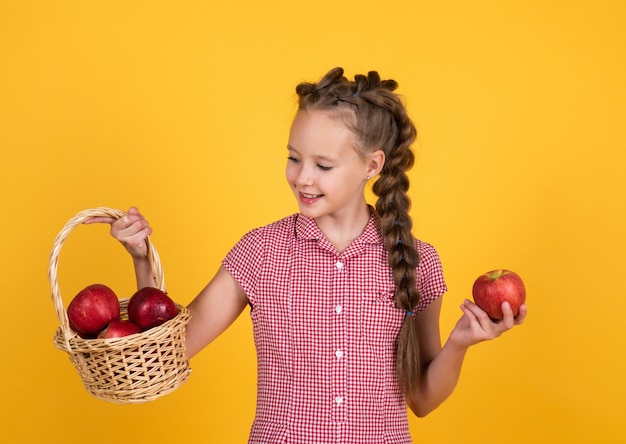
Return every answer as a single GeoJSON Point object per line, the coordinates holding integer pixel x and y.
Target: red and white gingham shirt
{"type": "Point", "coordinates": [325, 329]}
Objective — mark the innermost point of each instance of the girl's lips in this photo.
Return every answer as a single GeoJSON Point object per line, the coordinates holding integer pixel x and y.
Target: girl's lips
{"type": "Point", "coordinates": [309, 199]}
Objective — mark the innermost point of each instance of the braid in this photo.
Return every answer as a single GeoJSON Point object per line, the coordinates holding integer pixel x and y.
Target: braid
{"type": "Point", "coordinates": [375, 114]}
{"type": "Point", "coordinates": [393, 208]}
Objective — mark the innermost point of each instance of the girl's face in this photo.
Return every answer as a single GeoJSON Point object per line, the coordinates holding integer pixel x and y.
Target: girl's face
{"type": "Point", "coordinates": [324, 169]}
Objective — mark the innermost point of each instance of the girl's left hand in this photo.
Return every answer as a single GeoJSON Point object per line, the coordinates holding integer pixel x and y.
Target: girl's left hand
{"type": "Point", "coordinates": [475, 325]}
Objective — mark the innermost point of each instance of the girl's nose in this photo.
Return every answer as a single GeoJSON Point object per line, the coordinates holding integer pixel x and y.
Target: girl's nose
{"type": "Point", "coordinates": [305, 177]}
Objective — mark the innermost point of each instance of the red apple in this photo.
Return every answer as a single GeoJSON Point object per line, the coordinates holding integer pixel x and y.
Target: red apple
{"type": "Point", "coordinates": [119, 328]}
{"type": "Point", "coordinates": [92, 309]}
{"type": "Point", "coordinates": [491, 289]}
{"type": "Point", "coordinates": [150, 307]}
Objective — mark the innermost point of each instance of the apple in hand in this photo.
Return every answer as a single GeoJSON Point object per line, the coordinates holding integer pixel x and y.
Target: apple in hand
{"type": "Point", "coordinates": [150, 307]}
{"type": "Point", "coordinates": [491, 289]}
{"type": "Point", "coordinates": [119, 328]}
{"type": "Point", "coordinates": [92, 309]}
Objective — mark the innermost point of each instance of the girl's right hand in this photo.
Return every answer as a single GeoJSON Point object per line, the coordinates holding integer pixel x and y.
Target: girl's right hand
{"type": "Point", "coordinates": [131, 230]}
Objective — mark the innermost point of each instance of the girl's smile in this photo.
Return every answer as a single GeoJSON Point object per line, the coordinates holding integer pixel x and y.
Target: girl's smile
{"type": "Point", "coordinates": [309, 199]}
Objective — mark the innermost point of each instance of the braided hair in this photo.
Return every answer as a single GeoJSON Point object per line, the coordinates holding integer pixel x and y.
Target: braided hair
{"type": "Point", "coordinates": [379, 120]}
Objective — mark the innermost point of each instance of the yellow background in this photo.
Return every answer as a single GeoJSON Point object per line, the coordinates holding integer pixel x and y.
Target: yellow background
{"type": "Point", "coordinates": [182, 108]}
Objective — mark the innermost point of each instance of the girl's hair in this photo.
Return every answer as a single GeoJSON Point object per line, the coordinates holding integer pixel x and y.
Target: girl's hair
{"type": "Point", "coordinates": [379, 120]}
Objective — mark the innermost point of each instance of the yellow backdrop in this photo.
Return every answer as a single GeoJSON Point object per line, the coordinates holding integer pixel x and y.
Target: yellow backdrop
{"type": "Point", "coordinates": [182, 108]}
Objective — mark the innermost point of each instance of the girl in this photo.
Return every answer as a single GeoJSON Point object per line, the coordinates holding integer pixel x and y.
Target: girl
{"type": "Point", "coordinates": [344, 301]}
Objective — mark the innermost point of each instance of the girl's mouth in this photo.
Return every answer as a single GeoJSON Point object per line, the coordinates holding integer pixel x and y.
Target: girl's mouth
{"type": "Point", "coordinates": [309, 198]}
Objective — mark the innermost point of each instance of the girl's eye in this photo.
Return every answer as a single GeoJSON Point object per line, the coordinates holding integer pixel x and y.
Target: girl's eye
{"type": "Point", "coordinates": [321, 167]}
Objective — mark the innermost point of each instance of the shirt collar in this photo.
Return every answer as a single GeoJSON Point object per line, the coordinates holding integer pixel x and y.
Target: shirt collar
{"type": "Point", "coordinates": [306, 228]}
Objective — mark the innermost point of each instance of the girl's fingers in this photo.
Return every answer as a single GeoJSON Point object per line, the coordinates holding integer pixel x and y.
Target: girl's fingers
{"type": "Point", "coordinates": [521, 314]}
{"type": "Point", "coordinates": [507, 321]}
{"type": "Point", "coordinates": [100, 220]}
{"type": "Point", "coordinates": [132, 216]}
{"type": "Point", "coordinates": [476, 325]}
{"type": "Point", "coordinates": [132, 230]}
{"type": "Point", "coordinates": [482, 317]}
{"type": "Point", "coordinates": [480, 326]}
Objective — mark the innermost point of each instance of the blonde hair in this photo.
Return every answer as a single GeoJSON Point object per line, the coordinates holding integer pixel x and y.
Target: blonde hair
{"type": "Point", "coordinates": [379, 120]}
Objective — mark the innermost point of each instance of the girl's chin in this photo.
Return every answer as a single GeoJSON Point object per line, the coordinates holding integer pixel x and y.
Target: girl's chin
{"type": "Point", "coordinates": [308, 211]}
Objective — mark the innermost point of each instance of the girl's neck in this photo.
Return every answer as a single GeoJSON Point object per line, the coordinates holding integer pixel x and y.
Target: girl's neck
{"type": "Point", "coordinates": [341, 230]}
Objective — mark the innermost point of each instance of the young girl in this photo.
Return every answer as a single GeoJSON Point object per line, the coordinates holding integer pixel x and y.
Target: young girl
{"type": "Point", "coordinates": [344, 301]}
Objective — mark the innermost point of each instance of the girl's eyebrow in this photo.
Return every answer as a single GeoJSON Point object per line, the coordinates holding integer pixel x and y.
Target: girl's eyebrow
{"type": "Point", "coordinates": [325, 158]}
{"type": "Point", "coordinates": [317, 157]}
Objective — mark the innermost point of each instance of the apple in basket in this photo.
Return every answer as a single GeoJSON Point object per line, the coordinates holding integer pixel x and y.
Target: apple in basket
{"type": "Point", "coordinates": [119, 328]}
{"type": "Point", "coordinates": [150, 307]}
{"type": "Point", "coordinates": [92, 309]}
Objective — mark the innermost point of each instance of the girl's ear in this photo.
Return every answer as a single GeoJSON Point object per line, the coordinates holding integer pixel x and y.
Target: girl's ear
{"type": "Point", "coordinates": [375, 162]}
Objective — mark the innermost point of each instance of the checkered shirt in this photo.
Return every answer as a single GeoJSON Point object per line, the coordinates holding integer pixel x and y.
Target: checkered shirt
{"type": "Point", "coordinates": [325, 329]}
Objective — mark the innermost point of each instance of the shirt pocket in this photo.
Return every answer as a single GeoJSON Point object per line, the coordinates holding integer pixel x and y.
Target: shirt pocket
{"type": "Point", "coordinates": [264, 432]}
{"type": "Point", "coordinates": [380, 322]}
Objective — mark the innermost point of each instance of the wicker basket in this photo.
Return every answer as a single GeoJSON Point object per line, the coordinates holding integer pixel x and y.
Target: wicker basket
{"type": "Point", "coordinates": [132, 369]}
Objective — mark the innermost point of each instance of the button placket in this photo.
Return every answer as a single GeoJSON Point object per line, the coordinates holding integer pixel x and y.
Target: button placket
{"type": "Point", "coordinates": [339, 366]}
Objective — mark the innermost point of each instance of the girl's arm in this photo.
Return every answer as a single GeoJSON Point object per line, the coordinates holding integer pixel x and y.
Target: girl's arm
{"type": "Point", "coordinates": [442, 365]}
{"type": "Point", "coordinates": [212, 311]}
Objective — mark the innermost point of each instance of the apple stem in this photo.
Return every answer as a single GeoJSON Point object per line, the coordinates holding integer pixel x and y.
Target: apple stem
{"type": "Point", "coordinates": [495, 274]}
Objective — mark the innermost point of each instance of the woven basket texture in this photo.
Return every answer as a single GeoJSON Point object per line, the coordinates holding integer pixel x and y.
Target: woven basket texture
{"type": "Point", "coordinates": [132, 369]}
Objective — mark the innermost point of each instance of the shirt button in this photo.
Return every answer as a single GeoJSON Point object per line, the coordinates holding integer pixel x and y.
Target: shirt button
{"type": "Point", "coordinates": [339, 265]}
{"type": "Point", "coordinates": [339, 354]}
{"type": "Point", "coordinates": [338, 309]}
{"type": "Point", "coordinates": [338, 400]}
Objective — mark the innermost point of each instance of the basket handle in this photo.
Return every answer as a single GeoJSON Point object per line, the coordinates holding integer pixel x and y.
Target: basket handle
{"type": "Point", "coordinates": [81, 217]}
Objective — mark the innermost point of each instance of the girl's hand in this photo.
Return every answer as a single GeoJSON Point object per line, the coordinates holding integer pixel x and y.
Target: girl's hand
{"type": "Point", "coordinates": [475, 325]}
{"type": "Point", "coordinates": [131, 230]}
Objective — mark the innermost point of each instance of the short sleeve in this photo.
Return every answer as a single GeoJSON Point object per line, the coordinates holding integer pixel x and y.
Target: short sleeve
{"type": "Point", "coordinates": [245, 261]}
{"type": "Point", "coordinates": [430, 281]}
